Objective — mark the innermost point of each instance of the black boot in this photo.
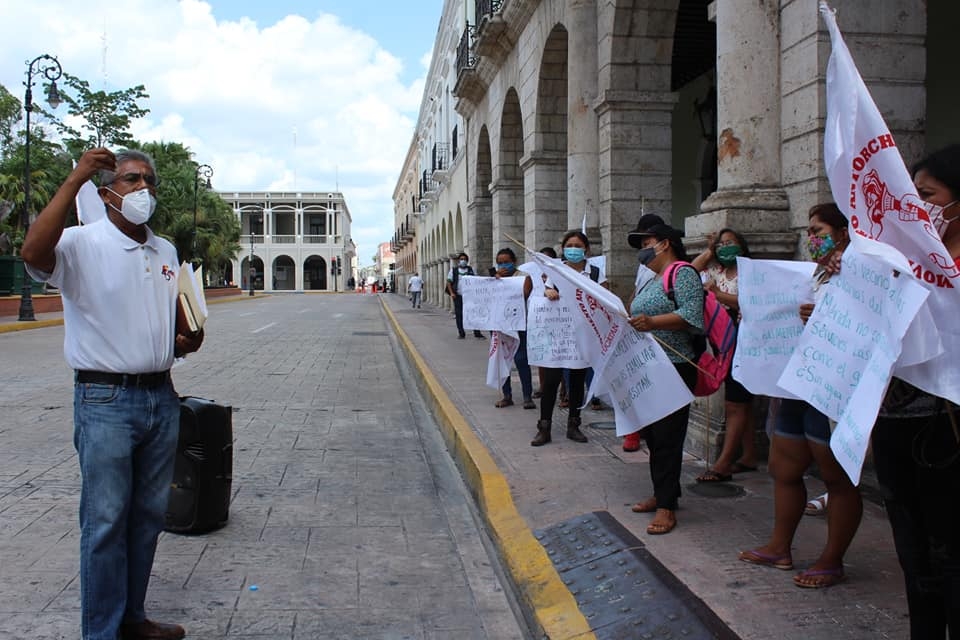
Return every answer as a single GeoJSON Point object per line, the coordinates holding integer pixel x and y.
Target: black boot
{"type": "Point", "coordinates": [573, 430]}
{"type": "Point", "coordinates": [543, 434]}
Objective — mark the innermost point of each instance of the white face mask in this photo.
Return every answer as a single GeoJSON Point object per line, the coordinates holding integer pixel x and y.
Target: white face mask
{"type": "Point", "coordinates": [137, 207]}
{"type": "Point", "coordinates": [940, 223]}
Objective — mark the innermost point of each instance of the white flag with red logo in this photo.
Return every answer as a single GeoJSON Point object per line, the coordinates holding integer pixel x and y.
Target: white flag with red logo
{"type": "Point", "coordinates": [503, 347]}
{"type": "Point", "coordinates": [872, 186]}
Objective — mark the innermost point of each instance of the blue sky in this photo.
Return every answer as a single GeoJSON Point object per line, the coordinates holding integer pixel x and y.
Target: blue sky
{"type": "Point", "coordinates": [274, 95]}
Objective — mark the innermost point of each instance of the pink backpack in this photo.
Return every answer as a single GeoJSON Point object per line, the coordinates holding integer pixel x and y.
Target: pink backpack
{"type": "Point", "coordinates": [714, 348]}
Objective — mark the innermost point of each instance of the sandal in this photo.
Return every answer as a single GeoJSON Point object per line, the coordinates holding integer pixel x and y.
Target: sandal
{"type": "Point", "coordinates": [714, 476]}
{"type": "Point", "coordinates": [663, 522]}
{"type": "Point", "coordinates": [647, 506]}
{"type": "Point", "coordinates": [505, 402]}
{"type": "Point", "coordinates": [817, 506]}
{"type": "Point", "coordinates": [819, 578]}
{"type": "Point", "coordinates": [529, 404]}
{"type": "Point", "coordinates": [755, 556]}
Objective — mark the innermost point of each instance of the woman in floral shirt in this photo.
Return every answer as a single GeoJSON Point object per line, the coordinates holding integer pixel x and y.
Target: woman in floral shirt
{"type": "Point", "coordinates": [671, 322]}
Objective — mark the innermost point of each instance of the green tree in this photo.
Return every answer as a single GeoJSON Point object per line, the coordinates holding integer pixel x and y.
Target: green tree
{"type": "Point", "coordinates": [217, 230]}
{"type": "Point", "coordinates": [11, 111]}
{"type": "Point", "coordinates": [106, 116]}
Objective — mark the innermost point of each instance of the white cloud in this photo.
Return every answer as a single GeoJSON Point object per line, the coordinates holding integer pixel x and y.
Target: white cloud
{"type": "Point", "coordinates": [235, 92]}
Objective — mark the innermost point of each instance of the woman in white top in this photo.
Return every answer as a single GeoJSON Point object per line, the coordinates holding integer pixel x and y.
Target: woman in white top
{"type": "Point", "coordinates": [718, 265]}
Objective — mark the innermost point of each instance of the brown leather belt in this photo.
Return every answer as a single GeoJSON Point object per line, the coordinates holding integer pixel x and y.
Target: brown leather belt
{"type": "Point", "coordinates": [140, 380]}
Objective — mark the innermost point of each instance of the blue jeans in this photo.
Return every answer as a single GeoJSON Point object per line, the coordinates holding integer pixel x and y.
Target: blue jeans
{"type": "Point", "coordinates": [415, 298]}
{"type": "Point", "coordinates": [523, 369]}
{"type": "Point", "coordinates": [126, 438]}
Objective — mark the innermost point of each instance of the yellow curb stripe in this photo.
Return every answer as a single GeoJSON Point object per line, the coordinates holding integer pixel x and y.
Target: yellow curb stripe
{"type": "Point", "coordinates": [553, 606]}
{"type": "Point", "coordinates": [32, 324]}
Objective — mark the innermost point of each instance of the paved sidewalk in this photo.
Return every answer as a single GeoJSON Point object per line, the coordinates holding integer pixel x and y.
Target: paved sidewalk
{"type": "Point", "coordinates": [553, 483]}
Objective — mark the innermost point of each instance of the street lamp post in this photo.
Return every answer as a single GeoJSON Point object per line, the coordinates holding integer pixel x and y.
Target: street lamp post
{"type": "Point", "coordinates": [204, 172]}
{"type": "Point", "coordinates": [50, 68]}
{"type": "Point", "coordinates": [251, 271]}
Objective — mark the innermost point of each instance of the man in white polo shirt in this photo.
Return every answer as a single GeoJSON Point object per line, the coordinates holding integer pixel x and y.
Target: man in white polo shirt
{"type": "Point", "coordinates": [118, 283]}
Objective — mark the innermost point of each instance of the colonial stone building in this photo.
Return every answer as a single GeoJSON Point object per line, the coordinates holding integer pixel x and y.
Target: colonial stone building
{"type": "Point", "coordinates": [537, 113]}
{"type": "Point", "coordinates": [292, 241]}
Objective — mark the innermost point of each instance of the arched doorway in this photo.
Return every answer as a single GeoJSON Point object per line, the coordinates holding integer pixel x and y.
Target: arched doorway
{"type": "Point", "coordinates": [256, 273]}
{"type": "Point", "coordinates": [315, 274]}
{"type": "Point", "coordinates": [284, 274]}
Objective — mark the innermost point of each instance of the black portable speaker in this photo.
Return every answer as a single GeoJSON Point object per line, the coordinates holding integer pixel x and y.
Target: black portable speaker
{"type": "Point", "coordinates": [203, 472]}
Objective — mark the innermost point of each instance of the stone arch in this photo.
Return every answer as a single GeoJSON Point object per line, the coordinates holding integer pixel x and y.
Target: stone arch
{"type": "Point", "coordinates": [479, 209]}
{"type": "Point", "coordinates": [693, 80]}
{"type": "Point", "coordinates": [507, 201]}
{"type": "Point", "coordinates": [545, 177]}
{"type": "Point", "coordinates": [315, 273]}
{"type": "Point", "coordinates": [283, 273]}
{"type": "Point", "coordinates": [257, 274]}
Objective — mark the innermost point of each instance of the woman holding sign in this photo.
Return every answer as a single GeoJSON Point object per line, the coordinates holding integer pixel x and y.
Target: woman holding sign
{"type": "Point", "coordinates": [916, 450]}
{"type": "Point", "coordinates": [506, 268]}
{"type": "Point", "coordinates": [718, 264]}
{"type": "Point", "coordinates": [671, 321]}
{"type": "Point", "coordinates": [802, 436]}
{"type": "Point", "coordinates": [576, 248]}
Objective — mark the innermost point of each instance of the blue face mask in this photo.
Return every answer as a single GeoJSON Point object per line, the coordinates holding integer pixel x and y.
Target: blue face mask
{"type": "Point", "coordinates": [505, 265]}
{"type": "Point", "coordinates": [574, 254]}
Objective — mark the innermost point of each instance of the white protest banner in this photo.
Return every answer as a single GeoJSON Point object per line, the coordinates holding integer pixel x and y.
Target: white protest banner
{"type": "Point", "coordinates": [642, 384]}
{"type": "Point", "coordinates": [503, 347]}
{"type": "Point", "coordinates": [848, 348]}
{"type": "Point", "coordinates": [551, 334]}
{"type": "Point", "coordinates": [599, 314]}
{"type": "Point", "coordinates": [770, 293]}
{"type": "Point", "coordinates": [535, 272]}
{"type": "Point", "coordinates": [873, 188]}
{"type": "Point", "coordinates": [495, 304]}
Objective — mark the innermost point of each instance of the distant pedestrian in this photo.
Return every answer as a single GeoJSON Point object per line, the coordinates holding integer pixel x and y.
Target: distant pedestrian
{"type": "Point", "coordinates": [461, 269]}
{"type": "Point", "coordinates": [415, 287]}
{"type": "Point", "coordinates": [119, 286]}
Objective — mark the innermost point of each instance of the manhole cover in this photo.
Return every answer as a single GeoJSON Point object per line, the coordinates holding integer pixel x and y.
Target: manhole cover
{"type": "Point", "coordinates": [603, 425]}
{"type": "Point", "coordinates": [716, 489]}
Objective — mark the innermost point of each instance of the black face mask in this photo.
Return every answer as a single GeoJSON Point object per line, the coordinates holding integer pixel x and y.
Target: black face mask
{"type": "Point", "coordinates": [646, 255]}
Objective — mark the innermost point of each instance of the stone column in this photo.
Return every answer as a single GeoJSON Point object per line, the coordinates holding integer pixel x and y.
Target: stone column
{"type": "Point", "coordinates": [582, 135]}
{"type": "Point", "coordinates": [480, 238]}
{"type": "Point", "coordinates": [546, 199]}
{"type": "Point", "coordinates": [507, 211]}
{"type": "Point", "coordinates": [634, 164]}
{"type": "Point", "coordinates": [750, 197]}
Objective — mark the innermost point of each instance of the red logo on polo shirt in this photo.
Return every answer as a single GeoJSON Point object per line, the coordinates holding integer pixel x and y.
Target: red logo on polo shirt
{"type": "Point", "coordinates": [167, 272]}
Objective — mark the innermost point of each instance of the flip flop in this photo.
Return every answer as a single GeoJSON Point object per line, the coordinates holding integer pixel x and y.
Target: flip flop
{"type": "Point", "coordinates": [713, 476]}
{"type": "Point", "coordinates": [817, 506]}
{"type": "Point", "coordinates": [739, 467]}
{"type": "Point", "coordinates": [819, 578]}
{"type": "Point", "coordinates": [755, 556]}
{"type": "Point", "coordinates": [659, 528]}
{"type": "Point", "coordinates": [647, 506]}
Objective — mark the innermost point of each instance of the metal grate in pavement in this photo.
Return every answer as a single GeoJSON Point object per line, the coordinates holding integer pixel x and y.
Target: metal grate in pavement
{"type": "Point", "coordinates": [370, 333]}
{"type": "Point", "coordinates": [622, 590]}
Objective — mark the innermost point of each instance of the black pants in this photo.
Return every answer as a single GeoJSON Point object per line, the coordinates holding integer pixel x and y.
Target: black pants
{"type": "Point", "coordinates": [458, 312]}
{"type": "Point", "coordinates": [665, 439]}
{"type": "Point", "coordinates": [551, 383]}
{"type": "Point", "coordinates": [923, 506]}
